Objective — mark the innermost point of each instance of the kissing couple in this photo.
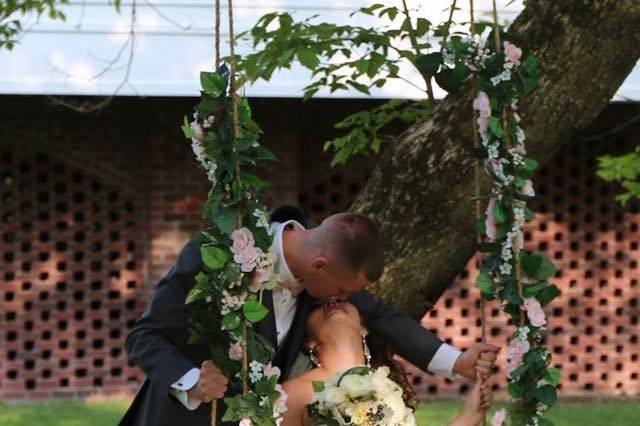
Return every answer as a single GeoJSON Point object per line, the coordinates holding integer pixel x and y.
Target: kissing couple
{"type": "Point", "coordinates": [321, 320]}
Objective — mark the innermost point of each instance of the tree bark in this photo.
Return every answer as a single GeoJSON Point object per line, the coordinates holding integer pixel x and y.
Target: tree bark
{"type": "Point", "coordinates": [420, 190]}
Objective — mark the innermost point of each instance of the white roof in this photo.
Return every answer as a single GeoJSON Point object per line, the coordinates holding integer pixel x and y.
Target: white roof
{"type": "Point", "coordinates": [174, 42]}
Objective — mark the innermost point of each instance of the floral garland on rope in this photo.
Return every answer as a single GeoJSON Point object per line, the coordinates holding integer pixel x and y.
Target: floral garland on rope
{"type": "Point", "coordinates": [518, 280]}
{"type": "Point", "coordinates": [237, 261]}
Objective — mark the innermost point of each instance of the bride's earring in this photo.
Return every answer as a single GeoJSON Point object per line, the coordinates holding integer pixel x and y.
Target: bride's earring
{"type": "Point", "coordinates": [367, 352]}
{"type": "Point", "coordinates": [313, 358]}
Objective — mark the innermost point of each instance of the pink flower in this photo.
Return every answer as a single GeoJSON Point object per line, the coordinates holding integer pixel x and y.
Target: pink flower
{"type": "Point", "coordinates": [534, 312]}
{"type": "Point", "coordinates": [197, 129]}
{"type": "Point", "coordinates": [472, 67]}
{"type": "Point", "coordinates": [499, 417]}
{"type": "Point", "coordinates": [490, 223]}
{"type": "Point", "coordinates": [244, 251]}
{"type": "Point", "coordinates": [483, 105]}
{"type": "Point", "coordinates": [242, 238]}
{"type": "Point", "coordinates": [512, 52]}
{"type": "Point", "coordinates": [281, 403]}
{"type": "Point", "coordinates": [245, 422]}
{"type": "Point", "coordinates": [248, 258]}
{"type": "Point", "coordinates": [235, 351]}
{"type": "Point", "coordinates": [270, 371]}
{"type": "Point", "coordinates": [527, 189]}
{"type": "Point", "coordinates": [515, 351]}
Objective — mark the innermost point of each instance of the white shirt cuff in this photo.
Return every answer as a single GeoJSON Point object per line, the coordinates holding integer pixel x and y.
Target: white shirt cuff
{"type": "Point", "coordinates": [443, 361]}
{"type": "Point", "coordinates": [182, 385]}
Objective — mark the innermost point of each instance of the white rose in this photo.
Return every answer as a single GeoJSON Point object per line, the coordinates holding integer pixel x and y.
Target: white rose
{"type": "Point", "coordinates": [355, 385]}
{"type": "Point", "coordinates": [332, 397]}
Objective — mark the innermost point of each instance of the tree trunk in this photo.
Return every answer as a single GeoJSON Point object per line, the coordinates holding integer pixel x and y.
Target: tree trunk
{"type": "Point", "coordinates": [420, 190]}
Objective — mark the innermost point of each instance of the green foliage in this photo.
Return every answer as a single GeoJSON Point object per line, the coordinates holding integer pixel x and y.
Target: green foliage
{"type": "Point", "coordinates": [13, 11]}
{"type": "Point", "coordinates": [342, 57]}
{"type": "Point", "coordinates": [225, 296]}
{"type": "Point", "coordinates": [624, 170]}
{"type": "Point", "coordinates": [365, 128]}
{"type": "Point", "coordinates": [254, 311]}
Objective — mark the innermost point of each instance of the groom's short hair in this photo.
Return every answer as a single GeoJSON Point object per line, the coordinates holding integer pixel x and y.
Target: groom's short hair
{"type": "Point", "coordinates": [358, 245]}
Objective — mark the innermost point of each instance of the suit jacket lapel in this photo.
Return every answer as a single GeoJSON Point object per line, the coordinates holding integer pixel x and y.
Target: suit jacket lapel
{"type": "Point", "coordinates": [267, 327]}
{"type": "Point", "coordinates": [293, 342]}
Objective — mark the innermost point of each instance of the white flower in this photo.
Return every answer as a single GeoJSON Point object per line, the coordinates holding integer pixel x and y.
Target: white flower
{"type": "Point", "coordinates": [255, 371]}
{"type": "Point", "coordinates": [235, 351]}
{"type": "Point", "coordinates": [332, 397]}
{"type": "Point", "coordinates": [523, 332]}
{"type": "Point", "coordinates": [356, 385]}
{"type": "Point", "coordinates": [505, 268]}
{"type": "Point", "coordinates": [262, 220]}
{"type": "Point", "coordinates": [505, 75]}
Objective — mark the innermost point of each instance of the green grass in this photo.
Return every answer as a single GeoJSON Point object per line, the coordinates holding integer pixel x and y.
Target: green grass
{"type": "Point", "coordinates": [63, 413]}
{"type": "Point", "coordinates": [75, 413]}
{"type": "Point", "coordinates": [563, 414]}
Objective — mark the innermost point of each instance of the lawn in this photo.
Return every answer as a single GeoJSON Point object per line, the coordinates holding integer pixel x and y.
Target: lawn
{"type": "Point", "coordinates": [73, 413]}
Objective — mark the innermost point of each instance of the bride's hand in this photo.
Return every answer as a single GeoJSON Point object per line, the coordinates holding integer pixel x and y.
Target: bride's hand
{"type": "Point", "coordinates": [477, 402]}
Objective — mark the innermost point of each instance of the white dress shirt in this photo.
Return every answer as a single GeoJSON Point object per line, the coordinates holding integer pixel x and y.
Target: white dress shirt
{"type": "Point", "coordinates": [284, 307]}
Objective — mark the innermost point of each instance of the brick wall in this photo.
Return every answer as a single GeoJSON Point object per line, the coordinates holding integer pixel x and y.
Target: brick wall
{"type": "Point", "coordinates": [95, 209]}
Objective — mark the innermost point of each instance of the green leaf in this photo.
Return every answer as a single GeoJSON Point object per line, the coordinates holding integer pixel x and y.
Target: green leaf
{"type": "Point", "coordinates": [516, 389]}
{"type": "Point", "coordinates": [209, 105]}
{"type": "Point", "coordinates": [554, 376]}
{"type": "Point", "coordinates": [498, 212]}
{"type": "Point", "coordinates": [224, 217]}
{"type": "Point", "coordinates": [510, 293]}
{"type": "Point", "coordinates": [253, 181]}
{"type": "Point", "coordinates": [537, 266]}
{"type": "Point", "coordinates": [532, 290]}
{"type": "Point", "coordinates": [519, 371]}
{"type": "Point", "coordinates": [213, 83]}
{"type": "Point", "coordinates": [239, 407]}
{"type": "Point", "coordinates": [187, 130]}
{"type": "Point", "coordinates": [214, 257]}
{"type": "Point", "coordinates": [308, 58]}
{"type": "Point", "coordinates": [527, 170]}
{"type": "Point", "coordinates": [485, 283]}
{"type": "Point", "coordinates": [495, 127]}
{"type": "Point", "coordinates": [199, 290]}
{"type": "Point", "coordinates": [443, 78]}
{"type": "Point", "coordinates": [254, 311]}
{"type": "Point", "coordinates": [317, 386]}
{"type": "Point", "coordinates": [548, 294]}
{"type": "Point", "coordinates": [546, 394]}
{"type": "Point", "coordinates": [231, 321]}
{"type": "Point", "coordinates": [459, 74]}
{"type": "Point", "coordinates": [489, 247]}
{"type": "Point", "coordinates": [428, 64]}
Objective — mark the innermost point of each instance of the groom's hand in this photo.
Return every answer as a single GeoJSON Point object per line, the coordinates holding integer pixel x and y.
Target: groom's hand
{"type": "Point", "coordinates": [481, 356]}
{"type": "Point", "coordinates": [211, 385]}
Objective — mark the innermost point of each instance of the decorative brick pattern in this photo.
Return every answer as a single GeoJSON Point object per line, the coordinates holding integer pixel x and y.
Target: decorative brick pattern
{"type": "Point", "coordinates": [95, 209]}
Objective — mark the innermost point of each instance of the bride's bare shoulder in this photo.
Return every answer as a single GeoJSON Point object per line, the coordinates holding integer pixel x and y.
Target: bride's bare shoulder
{"type": "Point", "coordinates": [302, 386]}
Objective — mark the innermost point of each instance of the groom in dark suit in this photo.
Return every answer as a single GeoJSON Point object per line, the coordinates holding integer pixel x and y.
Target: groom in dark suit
{"type": "Point", "coordinates": [337, 259]}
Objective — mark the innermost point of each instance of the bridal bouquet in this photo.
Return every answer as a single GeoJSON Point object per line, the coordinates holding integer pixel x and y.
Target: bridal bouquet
{"type": "Point", "coordinates": [359, 397]}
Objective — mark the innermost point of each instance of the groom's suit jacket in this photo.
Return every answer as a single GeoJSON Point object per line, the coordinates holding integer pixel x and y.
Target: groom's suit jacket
{"type": "Point", "coordinates": [157, 344]}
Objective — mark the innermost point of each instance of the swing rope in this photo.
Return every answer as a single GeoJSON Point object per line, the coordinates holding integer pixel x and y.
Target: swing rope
{"type": "Point", "coordinates": [515, 242]}
{"type": "Point", "coordinates": [477, 170]}
{"type": "Point", "coordinates": [235, 133]}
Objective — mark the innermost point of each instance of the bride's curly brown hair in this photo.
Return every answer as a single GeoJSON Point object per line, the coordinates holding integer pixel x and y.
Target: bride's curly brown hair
{"type": "Point", "coordinates": [381, 355]}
